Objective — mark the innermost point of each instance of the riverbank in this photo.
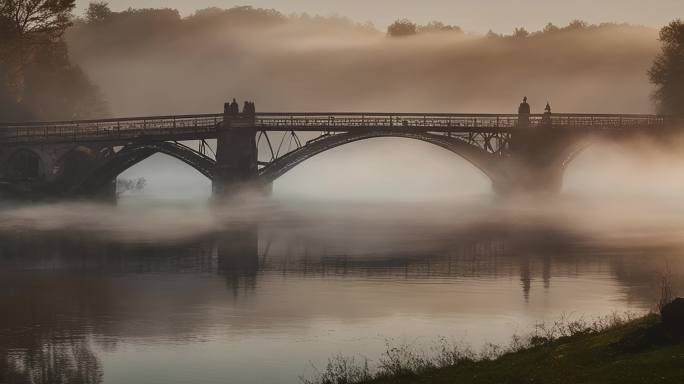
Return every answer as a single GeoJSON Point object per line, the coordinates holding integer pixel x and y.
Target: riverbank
{"type": "Point", "coordinates": [626, 353]}
{"type": "Point", "coordinates": [613, 351]}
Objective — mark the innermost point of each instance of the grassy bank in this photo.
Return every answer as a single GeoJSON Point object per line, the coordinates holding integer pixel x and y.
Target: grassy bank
{"type": "Point", "coordinates": [628, 351]}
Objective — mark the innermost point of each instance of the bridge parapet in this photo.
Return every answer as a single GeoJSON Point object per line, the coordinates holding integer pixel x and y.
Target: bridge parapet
{"type": "Point", "coordinates": [109, 130]}
{"type": "Point", "coordinates": [188, 127]}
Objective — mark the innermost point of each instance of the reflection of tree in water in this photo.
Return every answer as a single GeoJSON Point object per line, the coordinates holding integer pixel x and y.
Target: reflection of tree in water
{"type": "Point", "coordinates": [50, 360]}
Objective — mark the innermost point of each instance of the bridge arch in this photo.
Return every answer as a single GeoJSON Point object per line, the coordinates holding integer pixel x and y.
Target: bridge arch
{"type": "Point", "coordinates": [24, 164]}
{"type": "Point", "coordinates": [487, 163]}
{"type": "Point", "coordinates": [131, 155]}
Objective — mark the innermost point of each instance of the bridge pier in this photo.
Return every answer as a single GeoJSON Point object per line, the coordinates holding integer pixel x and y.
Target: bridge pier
{"type": "Point", "coordinates": [537, 157]}
{"type": "Point", "coordinates": [236, 168]}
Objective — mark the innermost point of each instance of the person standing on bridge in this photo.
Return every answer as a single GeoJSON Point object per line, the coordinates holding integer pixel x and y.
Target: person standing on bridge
{"type": "Point", "coordinates": [524, 108]}
{"type": "Point", "coordinates": [524, 114]}
{"type": "Point", "coordinates": [234, 108]}
{"type": "Point", "coordinates": [546, 119]}
{"type": "Point", "coordinates": [249, 109]}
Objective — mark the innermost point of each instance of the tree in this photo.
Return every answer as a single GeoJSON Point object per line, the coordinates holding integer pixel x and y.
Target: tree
{"type": "Point", "coordinates": [577, 25]}
{"type": "Point", "coordinates": [667, 73]}
{"type": "Point", "coordinates": [492, 35]}
{"type": "Point", "coordinates": [37, 78]}
{"type": "Point", "coordinates": [550, 28]}
{"type": "Point", "coordinates": [520, 32]}
{"type": "Point", "coordinates": [98, 12]}
{"type": "Point", "coordinates": [438, 26]}
{"type": "Point", "coordinates": [26, 19]}
{"type": "Point", "coordinates": [401, 28]}
{"type": "Point", "coordinates": [24, 23]}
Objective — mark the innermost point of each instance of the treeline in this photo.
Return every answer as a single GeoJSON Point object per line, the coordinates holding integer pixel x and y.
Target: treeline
{"type": "Point", "coordinates": [101, 29]}
{"type": "Point", "coordinates": [406, 27]}
{"type": "Point", "coordinates": [38, 80]}
{"type": "Point", "coordinates": [155, 61]}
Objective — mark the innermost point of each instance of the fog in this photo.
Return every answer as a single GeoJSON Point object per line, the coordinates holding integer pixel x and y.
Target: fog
{"type": "Point", "coordinates": [155, 62]}
{"type": "Point", "coordinates": [165, 64]}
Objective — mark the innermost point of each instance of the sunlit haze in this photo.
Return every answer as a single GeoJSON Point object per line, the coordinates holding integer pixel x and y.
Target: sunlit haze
{"type": "Point", "coordinates": [339, 191]}
{"type": "Point", "coordinates": [472, 15]}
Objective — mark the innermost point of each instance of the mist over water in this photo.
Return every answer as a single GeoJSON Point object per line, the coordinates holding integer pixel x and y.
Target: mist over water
{"type": "Point", "coordinates": [261, 289]}
{"type": "Point", "coordinates": [385, 239]}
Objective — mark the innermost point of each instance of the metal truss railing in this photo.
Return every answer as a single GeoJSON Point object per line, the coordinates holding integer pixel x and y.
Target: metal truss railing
{"type": "Point", "coordinates": [205, 126]}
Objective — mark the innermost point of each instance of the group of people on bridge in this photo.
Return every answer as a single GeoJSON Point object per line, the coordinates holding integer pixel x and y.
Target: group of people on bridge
{"type": "Point", "coordinates": [524, 108]}
{"type": "Point", "coordinates": [233, 109]}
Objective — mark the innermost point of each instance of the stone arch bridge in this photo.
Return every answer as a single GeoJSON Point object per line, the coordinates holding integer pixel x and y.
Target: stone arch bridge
{"type": "Point", "coordinates": [520, 153]}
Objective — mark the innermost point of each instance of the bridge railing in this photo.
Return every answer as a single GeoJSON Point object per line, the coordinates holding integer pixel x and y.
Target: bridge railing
{"type": "Point", "coordinates": [333, 121]}
{"type": "Point", "coordinates": [110, 129]}
{"type": "Point", "coordinates": [604, 122]}
{"type": "Point", "coordinates": [448, 122]}
{"type": "Point", "coordinates": [173, 127]}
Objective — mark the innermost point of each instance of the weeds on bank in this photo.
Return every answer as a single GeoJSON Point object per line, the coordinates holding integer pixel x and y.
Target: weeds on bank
{"type": "Point", "coordinates": [408, 360]}
{"type": "Point", "coordinates": [342, 370]}
{"type": "Point", "coordinates": [667, 290]}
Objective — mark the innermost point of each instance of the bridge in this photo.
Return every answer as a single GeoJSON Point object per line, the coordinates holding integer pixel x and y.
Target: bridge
{"type": "Point", "coordinates": [521, 152]}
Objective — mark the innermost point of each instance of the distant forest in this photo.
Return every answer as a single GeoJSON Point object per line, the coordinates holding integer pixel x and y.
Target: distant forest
{"type": "Point", "coordinates": [150, 61]}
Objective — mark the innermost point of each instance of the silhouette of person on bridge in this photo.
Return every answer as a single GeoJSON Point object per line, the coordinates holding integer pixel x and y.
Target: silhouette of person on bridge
{"type": "Point", "coordinates": [234, 108]}
{"type": "Point", "coordinates": [546, 119]}
{"type": "Point", "coordinates": [524, 108]}
{"type": "Point", "coordinates": [249, 109]}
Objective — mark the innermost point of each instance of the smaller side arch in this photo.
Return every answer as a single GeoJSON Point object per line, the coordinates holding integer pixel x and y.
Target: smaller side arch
{"type": "Point", "coordinates": [24, 164]}
{"type": "Point", "coordinates": [134, 154]}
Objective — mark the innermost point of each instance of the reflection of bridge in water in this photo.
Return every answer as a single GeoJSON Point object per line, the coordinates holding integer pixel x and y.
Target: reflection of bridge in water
{"type": "Point", "coordinates": [518, 152]}
{"type": "Point", "coordinates": [243, 256]}
{"type": "Point", "coordinates": [115, 289]}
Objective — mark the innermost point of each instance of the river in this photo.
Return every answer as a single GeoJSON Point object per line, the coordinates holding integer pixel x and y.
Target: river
{"type": "Point", "coordinates": [266, 291]}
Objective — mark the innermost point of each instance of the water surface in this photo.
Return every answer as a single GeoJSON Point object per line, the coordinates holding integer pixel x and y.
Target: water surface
{"type": "Point", "coordinates": [263, 291]}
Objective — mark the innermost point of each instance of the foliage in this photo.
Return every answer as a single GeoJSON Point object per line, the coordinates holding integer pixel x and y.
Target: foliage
{"type": "Point", "coordinates": [127, 185]}
{"type": "Point", "coordinates": [520, 32]}
{"type": "Point", "coordinates": [438, 26]}
{"type": "Point", "coordinates": [667, 72]}
{"type": "Point", "coordinates": [405, 27]}
{"type": "Point", "coordinates": [550, 28]}
{"type": "Point", "coordinates": [577, 25]}
{"type": "Point", "coordinates": [402, 28]}
{"type": "Point", "coordinates": [37, 79]}
{"type": "Point", "coordinates": [342, 370]}
{"type": "Point", "coordinates": [98, 12]}
{"type": "Point", "coordinates": [29, 19]}
{"type": "Point", "coordinates": [406, 363]}
{"type": "Point", "coordinates": [667, 291]}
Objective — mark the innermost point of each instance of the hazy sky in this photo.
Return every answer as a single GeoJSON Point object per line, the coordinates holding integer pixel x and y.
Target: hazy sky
{"type": "Point", "coordinates": [472, 15]}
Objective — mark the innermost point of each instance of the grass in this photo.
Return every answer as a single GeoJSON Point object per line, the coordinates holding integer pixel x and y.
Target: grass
{"type": "Point", "coordinates": [607, 350]}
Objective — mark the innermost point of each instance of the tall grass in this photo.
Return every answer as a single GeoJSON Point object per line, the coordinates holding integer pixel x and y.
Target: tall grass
{"type": "Point", "coordinates": [667, 291]}
{"type": "Point", "coordinates": [406, 360]}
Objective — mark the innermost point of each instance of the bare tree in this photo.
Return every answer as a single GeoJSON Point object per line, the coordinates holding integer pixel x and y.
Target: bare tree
{"type": "Point", "coordinates": [27, 19]}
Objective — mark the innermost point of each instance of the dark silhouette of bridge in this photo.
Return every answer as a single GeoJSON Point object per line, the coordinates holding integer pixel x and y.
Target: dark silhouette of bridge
{"type": "Point", "coordinates": [519, 152]}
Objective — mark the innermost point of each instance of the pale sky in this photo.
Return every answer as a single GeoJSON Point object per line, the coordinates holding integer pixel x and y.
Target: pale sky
{"type": "Point", "coordinates": [471, 15]}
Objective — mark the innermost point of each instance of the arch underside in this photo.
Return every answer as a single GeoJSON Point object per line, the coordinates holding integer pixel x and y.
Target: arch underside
{"type": "Point", "coordinates": [134, 154]}
{"type": "Point", "coordinates": [486, 162]}
{"type": "Point", "coordinates": [131, 155]}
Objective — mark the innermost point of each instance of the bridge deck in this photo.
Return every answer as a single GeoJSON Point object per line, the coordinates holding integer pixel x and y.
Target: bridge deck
{"type": "Point", "coordinates": [189, 127]}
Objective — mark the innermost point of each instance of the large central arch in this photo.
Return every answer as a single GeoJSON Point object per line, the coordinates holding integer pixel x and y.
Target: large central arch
{"type": "Point", "coordinates": [486, 162]}
{"type": "Point", "coordinates": [134, 154]}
